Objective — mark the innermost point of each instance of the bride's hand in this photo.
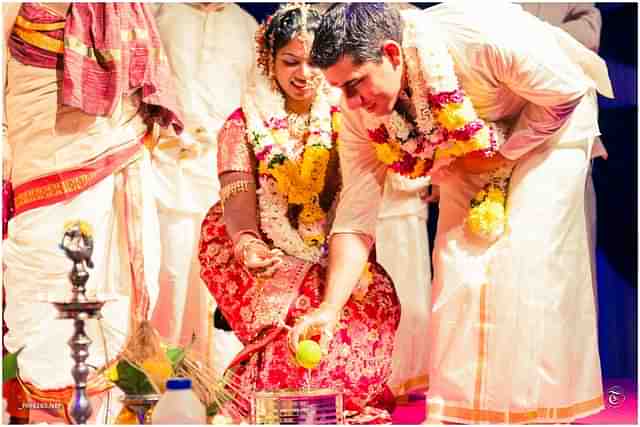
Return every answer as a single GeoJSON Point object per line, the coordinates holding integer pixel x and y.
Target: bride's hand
{"type": "Point", "coordinates": [257, 257]}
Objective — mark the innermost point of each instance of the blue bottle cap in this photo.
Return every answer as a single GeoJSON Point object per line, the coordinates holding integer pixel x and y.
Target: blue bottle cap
{"type": "Point", "coordinates": [178, 383]}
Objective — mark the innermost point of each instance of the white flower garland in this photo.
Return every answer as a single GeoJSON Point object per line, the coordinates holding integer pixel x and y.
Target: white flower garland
{"type": "Point", "coordinates": [261, 106]}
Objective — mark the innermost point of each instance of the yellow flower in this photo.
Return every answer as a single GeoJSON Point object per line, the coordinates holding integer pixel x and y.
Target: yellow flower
{"type": "Point", "coordinates": [282, 174]}
{"type": "Point", "coordinates": [262, 168]}
{"type": "Point", "coordinates": [480, 196]}
{"type": "Point", "coordinates": [314, 167]}
{"type": "Point", "coordinates": [68, 224]}
{"type": "Point", "coordinates": [314, 240]}
{"type": "Point", "coordinates": [311, 212]}
{"type": "Point", "coordinates": [299, 195]}
{"type": "Point", "coordinates": [454, 150]}
{"type": "Point", "coordinates": [336, 121]}
{"type": "Point", "coordinates": [418, 169]}
{"type": "Point", "coordinates": [487, 218]}
{"type": "Point", "coordinates": [454, 116]}
{"type": "Point", "coordinates": [159, 370]}
{"type": "Point", "coordinates": [387, 153]}
{"type": "Point", "coordinates": [112, 373]}
{"type": "Point", "coordinates": [495, 194]}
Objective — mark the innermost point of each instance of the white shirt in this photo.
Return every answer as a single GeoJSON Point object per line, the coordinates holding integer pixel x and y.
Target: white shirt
{"type": "Point", "coordinates": [513, 66]}
{"type": "Point", "coordinates": [211, 54]}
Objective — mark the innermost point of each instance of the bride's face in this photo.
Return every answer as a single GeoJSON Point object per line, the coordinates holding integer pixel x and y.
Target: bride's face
{"type": "Point", "coordinates": [296, 78]}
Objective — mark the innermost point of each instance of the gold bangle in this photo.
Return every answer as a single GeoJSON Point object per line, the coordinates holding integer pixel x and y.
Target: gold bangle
{"type": "Point", "coordinates": [234, 188]}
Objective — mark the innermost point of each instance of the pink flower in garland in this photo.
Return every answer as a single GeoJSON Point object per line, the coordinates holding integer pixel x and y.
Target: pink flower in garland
{"type": "Point", "coordinates": [466, 133]}
{"type": "Point", "coordinates": [438, 100]}
{"type": "Point", "coordinates": [262, 155]}
{"type": "Point", "coordinates": [276, 123]}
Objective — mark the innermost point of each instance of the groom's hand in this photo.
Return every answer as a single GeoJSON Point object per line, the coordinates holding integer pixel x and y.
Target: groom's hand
{"type": "Point", "coordinates": [476, 165]}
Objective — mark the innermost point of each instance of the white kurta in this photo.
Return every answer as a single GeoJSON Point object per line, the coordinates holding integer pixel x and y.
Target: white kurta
{"type": "Point", "coordinates": [513, 330]}
{"type": "Point", "coordinates": [211, 54]}
{"type": "Point", "coordinates": [402, 248]}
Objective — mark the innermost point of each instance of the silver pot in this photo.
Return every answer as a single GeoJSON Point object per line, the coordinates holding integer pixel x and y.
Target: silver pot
{"type": "Point", "coordinates": [313, 406]}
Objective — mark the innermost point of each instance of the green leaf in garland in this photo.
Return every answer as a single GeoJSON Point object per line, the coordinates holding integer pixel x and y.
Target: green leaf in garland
{"type": "Point", "coordinates": [277, 159]}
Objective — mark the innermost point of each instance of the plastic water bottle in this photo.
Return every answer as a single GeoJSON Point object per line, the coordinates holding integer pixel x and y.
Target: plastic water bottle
{"type": "Point", "coordinates": [179, 405]}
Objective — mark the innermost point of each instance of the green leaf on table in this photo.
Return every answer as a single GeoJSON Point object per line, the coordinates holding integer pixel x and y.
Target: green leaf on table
{"type": "Point", "coordinates": [175, 356]}
{"type": "Point", "coordinates": [132, 380]}
{"type": "Point", "coordinates": [10, 366]}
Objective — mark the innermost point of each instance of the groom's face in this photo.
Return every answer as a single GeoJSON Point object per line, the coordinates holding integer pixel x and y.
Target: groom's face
{"type": "Point", "coordinates": [373, 86]}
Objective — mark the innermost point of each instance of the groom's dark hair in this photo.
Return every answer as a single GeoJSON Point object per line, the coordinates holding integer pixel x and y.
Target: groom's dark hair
{"type": "Point", "coordinates": [357, 30]}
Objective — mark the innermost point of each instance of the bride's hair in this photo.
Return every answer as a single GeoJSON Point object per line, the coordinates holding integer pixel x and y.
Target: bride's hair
{"type": "Point", "coordinates": [287, 23]}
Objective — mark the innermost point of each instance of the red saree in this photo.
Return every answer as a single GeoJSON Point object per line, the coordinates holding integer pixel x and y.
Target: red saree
{"type": "Point", "coordinates": [359, 356]}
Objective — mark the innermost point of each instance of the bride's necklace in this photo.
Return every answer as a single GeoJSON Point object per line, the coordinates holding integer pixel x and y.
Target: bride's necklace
{"type": "Point", "coordinates": [298, 124]}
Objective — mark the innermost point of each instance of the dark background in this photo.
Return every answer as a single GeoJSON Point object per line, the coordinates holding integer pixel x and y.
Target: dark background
{"type": "Point", "coordinates": [616, 181]}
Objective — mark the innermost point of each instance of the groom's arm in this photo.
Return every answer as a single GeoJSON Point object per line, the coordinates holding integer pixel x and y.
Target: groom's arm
{"type": "Point", "coordinates": [353, 231]}
{"type": "Point", "coordinates": [533, 66]}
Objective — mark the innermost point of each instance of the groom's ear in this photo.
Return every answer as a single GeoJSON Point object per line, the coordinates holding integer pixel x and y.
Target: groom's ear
{"type": "Point", "coordinates": [393, 51]}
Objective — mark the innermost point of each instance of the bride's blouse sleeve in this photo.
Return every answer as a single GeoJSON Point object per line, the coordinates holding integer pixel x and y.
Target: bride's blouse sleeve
{"type": "Point", "coordinates": [362, 178]}
{"type": "Point", "coordinates": [234, 154]}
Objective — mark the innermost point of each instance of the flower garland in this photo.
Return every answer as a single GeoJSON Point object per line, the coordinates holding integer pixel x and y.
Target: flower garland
{"type": "Point", "coordinates": [446, 124]}
{"type": "Point", "coordinates": [487, 216]}
{"type": "Point", "coordinates": [285, 176]}
{"type": "Point", "coordinates": [406, 152]}
{"type": "Point", "coordinates": [274, 223]}
{"type": "Point", "coordinates": [446, 127]}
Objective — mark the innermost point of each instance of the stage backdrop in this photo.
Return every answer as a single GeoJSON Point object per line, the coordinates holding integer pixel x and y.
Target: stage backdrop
{"type": "Point", "coordinates": [616, 187]}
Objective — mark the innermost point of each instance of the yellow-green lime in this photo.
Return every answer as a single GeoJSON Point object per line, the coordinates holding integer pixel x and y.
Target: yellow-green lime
{"type": "Point", "coordinates": [308, 354]}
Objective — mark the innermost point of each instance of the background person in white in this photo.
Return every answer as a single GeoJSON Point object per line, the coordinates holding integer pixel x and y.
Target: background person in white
{"type": "Point", "coordinates": [211, 51]}
{"type": "Point", "coordinates": [50, 138]}
{"type": "Point", "coordinates": [402, 248]}
{"type": "Point", "coordinates": [584, 22]}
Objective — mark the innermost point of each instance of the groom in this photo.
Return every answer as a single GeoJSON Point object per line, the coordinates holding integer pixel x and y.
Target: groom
{"type": "Point", "coordinates": [497, 310]}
